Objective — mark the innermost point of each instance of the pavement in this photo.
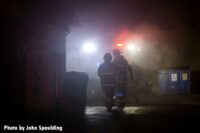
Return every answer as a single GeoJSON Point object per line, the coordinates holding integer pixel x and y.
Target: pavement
{"type": "Point", "coordinates": [133, 119]}
{"type": "Point", "coordinates": [158, 100]}
{"type": "Point", "coordinates": [167, 100]}
{"type": "Point", "coordinates": [145, 119]}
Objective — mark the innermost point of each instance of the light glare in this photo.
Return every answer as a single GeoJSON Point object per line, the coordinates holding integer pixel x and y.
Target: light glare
{"type": "Point", "coordinates": [131, 47]}
{"type": "Point", "coordinates": [138, 49]}
{"type": "Point", "coordinates": [119, 44]}
{"type": "Point", "coordinates": [89, 47]}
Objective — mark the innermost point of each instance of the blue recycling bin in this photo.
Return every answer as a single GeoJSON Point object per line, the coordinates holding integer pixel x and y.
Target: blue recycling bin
{"type": "Point", "coordinates": [174, 81]}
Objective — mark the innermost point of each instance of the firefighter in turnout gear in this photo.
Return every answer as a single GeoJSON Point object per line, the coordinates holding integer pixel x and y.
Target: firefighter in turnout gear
{"type": "Point", "coordinates": [108, 72]}
{"type": "Point", "coordinates": [124, 68]}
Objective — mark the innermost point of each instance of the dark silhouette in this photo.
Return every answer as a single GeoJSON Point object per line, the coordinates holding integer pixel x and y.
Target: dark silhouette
{"type": "Point", "coordinates": [124, 68]}
{"type": "Point", "coordinates": [108, 72]}
{"type": "Point", "coordinates": [73, 93]}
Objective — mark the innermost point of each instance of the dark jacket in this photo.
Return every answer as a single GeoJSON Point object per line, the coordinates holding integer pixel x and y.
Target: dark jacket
{"type": "Point", "coordinates": [108, 73]}
{"type": "Point", "coordinates": [124, 68]}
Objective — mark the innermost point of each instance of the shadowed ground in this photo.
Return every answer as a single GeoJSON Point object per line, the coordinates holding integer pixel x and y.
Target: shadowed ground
{"type": "Point", "coordinates": [96, 119]}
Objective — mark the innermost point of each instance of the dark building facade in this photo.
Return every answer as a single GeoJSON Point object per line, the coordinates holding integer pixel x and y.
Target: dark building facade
{"type": "Point", "coordinates": [32, 37]}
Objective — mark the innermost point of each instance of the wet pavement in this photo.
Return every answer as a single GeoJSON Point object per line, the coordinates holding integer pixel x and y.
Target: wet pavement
{"type": "Point", "coordinates": [143, 119]}
{"type": "Point", "coordinates": [133, 119]}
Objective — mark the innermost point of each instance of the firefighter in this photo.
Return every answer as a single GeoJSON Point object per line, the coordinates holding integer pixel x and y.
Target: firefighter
{"type": "Point", "coordinates": [124, 68]}
{"type": "Point", "coordinates": [107, 72]}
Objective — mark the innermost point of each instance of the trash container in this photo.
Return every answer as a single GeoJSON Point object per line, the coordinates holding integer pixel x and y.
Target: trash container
{"type": "Point", "coordinates": [174, 81]}
{"type": "Point", "coordinates": [73, 92]}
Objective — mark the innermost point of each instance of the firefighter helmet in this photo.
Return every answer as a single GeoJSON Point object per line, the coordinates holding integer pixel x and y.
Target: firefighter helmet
{"type": "Point", "coordinates": [107, 57]}
{"type": "Point", "coordinates": [116, 52]}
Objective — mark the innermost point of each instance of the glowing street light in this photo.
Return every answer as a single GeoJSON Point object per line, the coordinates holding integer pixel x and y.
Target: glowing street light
{"type": "Point", "coordinates": [89, 47]}
{"type": "Point", "coordinates": [131, 47]}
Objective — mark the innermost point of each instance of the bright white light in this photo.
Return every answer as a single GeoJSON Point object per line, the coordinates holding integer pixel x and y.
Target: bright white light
{"type": "Point", "coordinates": [131, 47]}
{"type": "Point", "coordinates": [89, 47]}
{"type": "Point", "coordinates": [138, 49]}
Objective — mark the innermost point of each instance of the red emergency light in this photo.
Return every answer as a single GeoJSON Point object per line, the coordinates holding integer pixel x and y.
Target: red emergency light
{"type": "Point", "coordinates": [120, 44]}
